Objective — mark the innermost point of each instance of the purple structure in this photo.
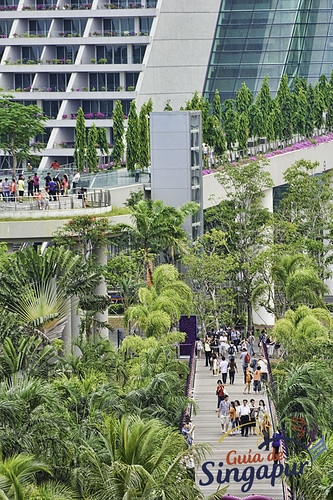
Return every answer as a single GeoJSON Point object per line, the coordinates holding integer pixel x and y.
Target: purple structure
{"type": "Point", "coordinates": [252, 497]}
{"type": "Point", "coordinates": [188, 324]}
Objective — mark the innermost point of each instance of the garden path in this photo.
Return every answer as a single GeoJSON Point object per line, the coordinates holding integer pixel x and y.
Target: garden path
{"type": "Point", "coordinates": [208, 430]}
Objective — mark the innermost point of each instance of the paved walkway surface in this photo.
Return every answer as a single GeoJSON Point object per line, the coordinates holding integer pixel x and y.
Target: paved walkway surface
{"type": "Point", "coordinates": [208, 430]}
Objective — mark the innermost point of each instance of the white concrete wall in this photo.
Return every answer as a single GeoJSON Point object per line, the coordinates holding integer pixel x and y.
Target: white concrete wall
{"type": "Point", "coordinates": [213, 192]}
{"type": "Point", "coordinates": [177, 61]}
{"type": "Point", "coordinates": [41, 230]}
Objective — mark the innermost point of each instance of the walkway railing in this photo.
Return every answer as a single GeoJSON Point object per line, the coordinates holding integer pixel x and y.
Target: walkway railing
{"type": "Point", "coordinates": [189, 384]}
{"type": "Point", "coordinates": [285, 489]}
{"type": "Point", "coordinates": [93, 199]}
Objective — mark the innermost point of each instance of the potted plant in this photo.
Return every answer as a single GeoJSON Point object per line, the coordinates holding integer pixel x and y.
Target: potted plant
{"type": "Point", "coordinates": [103, 61]}
{"type": "Point", "coordinates": [68, 61]}
{"type": "Point", "coordinates": [93, 61]}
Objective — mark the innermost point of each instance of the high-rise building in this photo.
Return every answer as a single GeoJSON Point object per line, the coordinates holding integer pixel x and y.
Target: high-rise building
{"type": "Point", "coordinates": [255, 38]}
{"type": "Point", "coordinates": [65, 55]}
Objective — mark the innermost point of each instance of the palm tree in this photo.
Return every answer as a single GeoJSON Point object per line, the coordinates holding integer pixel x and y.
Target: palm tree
{"type": "Point", "coordinates": [30, 358]}
{"type": "Point", "coordinates": [17, 472]}
{"type": "Point", "coordinates": [297, 329]}
{"type": "Point", "coordinates": [137, 459]}
{"type": "Point", "coordinates": [36, 287]}
{"type": "Point", "coordinates": [292, 281]}
{"type": "Point", "coordinates": [162, 304]}
{"type": "Point", "coordinates": [51, 491]}
{"type": "Point", "coordinates": [157, 226]}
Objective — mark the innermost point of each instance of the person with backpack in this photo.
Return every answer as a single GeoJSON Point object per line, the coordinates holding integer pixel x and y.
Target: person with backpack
{"type": "Point", "coordinates": [231, 351]}
{"type": "Point", "coordinates": [232, 367]}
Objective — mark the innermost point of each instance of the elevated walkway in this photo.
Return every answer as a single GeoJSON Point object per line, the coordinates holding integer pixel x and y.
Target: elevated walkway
{"type": "Point", "coordinates": [208, 430]}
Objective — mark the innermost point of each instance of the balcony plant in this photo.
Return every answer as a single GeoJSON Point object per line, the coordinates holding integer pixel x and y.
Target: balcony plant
{"type": "Point", "coordinates": [93, 61]}
{"type": "Point", "coordinates": [19, 61]}
{"type": "Point", "coordinates": [68, 61]}
{"type": "Point", "coordinates": [30, 61]}
{"type": "Point", "coordinates": [99, 115]}
{"type": "Point", "coordinates": [102, 60]}
{"type": "Point", "coordinates": [85, 89]}
{"type": "Point", "coordinates": [130, 88]}
{"type": "Point", "coordinates": [61, 33]}
{"type": "Point", "coordinates": [119, 88]}
{"type": "Point", "coordinates": [89, 116]}
{"type": "Point", "coordinates": [64, 117]}
{"type": "Point", "coordinates": [104, 89]}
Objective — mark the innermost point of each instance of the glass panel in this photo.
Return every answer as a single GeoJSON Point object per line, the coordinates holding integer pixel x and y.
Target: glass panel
{"type": "Point", "coordinates": [145, 24]}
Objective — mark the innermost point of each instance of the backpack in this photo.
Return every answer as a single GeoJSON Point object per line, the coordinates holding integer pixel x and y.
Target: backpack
{"type": "Point", "coordinates": [247, 358]}
{"type": "Point", "coordinates": [231, 350]}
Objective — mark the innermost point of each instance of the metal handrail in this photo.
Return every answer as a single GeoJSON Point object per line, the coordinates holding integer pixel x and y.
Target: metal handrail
{"type": "Point", "coordinates": [94, 199]}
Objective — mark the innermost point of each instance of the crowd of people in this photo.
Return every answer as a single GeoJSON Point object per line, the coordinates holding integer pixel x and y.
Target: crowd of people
{"type": "Point", "coordinates": [54, 187]}
{"type": "Point", "coordinates": [226, 353]}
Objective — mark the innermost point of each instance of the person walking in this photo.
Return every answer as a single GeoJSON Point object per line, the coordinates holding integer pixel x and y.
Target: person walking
{"type": "Point", "coordinates": [251, 344]}
{"type": "Point", "coordinates": [12, 190]}
{"type": "Point", "coordinates": [47, 179]}
{"type": "Point", "coordinates": [248, 378]}
{"type": "Point", "coordinates": [76, 180]}
{"type": "Point", "coordinates": [21, 189]}
{"type": "Point", "coordinates": [253, 414]}
{"type": "Point", "coordinates": [233, 417]}
{"type": "Point", "coordinates": [219, 393]}
{"type": "Point", "coordinates": [238, 415]}
{"type": "Point", "coordinates": [223, 413]}
{"type": "Point", "coordinates": [207, 351]}
{"type": "Point", "coordinates": [256, 380]}
{"type": "Point", "coordinates": [263, 367]}
{"type": "Point", "coordinates": [232, 367]}
{"type": "Point", "coordinates": [30, 186]}
{"type": "Point", "coordinates": [246, 358]}
{"type": "Point", "coordinates": [244, 418]}
{"type": "Point", "coordinates": [276, 445]}
{"type": "Point", "coordinates": [5, 190]}
{"type": "Point", "coordinates": [36, 183]}
{"type": "Point", "coordinates": [199, 344]}
{"type": "Point", "coordinates": [65, 183]}
{"type": "Point", "coordinates": [266, 429]}
{"type": "Point", "coordinates": [224, 369]}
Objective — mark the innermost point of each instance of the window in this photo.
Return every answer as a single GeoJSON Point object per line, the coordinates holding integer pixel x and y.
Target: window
{"type": "Point", "coordinates": [67, 52]}
{"type": "Point", "coordinates": [32, 53]}
{"type": "Point", "coordinates": [23, 80]}
{"type": "Point", "coordinates": [58, 81]}
{"type": "Point", "coordinates": [126, 106]}
{"type": "Point", "coordinates": [39, 26]}
{"type": "Point", "coordinates": [72, 26]}
{"type": "Point", "coordinates": [51, 108]}
{"type": "Point", "coordinates": [114, 54]}
{"type": "Point", "coordinates": [120, 54]}
{"type": "Point", "coordinates": [104, 81]}
{"type": "Point", "coordinates": [119, 25]}
{"type": "Point", "coordinates": [5, 27]}
{"type": "Point", "coordinates": [131, 79]}
{"type": "Point", "coordinates": [138, 53]}
{"type": "Point", "coordinates": [145, 24]}
{"type": "Point", "coordinates": [105, 107]}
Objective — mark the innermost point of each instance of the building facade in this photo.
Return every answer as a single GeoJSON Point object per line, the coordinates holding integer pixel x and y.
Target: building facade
{"type": "Point", "coordinates": [65, 55]}
{"type": "Point", "coordinates": [62, 56]}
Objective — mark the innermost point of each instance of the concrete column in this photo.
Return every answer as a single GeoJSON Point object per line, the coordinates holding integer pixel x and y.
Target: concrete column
{"type": "Point", "coordinates": [261, 316]}
{"type": "Point", "coordinates": [75, 319]}
{"type": "Point", "coordinates": [67, 333]}
{"type": "Point", "coordinates": [101, 289]}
